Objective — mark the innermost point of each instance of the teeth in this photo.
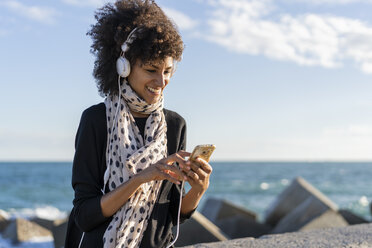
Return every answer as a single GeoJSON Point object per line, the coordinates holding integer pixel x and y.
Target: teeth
{"type": "Point", "coordinates": [153, 90]}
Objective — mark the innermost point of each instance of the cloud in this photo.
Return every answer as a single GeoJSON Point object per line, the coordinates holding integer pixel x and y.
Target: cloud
{"type": "Point", "coordinates": [183, 21]}
{"type": "Point", "coordinates": [37, 13]}
{"type": "Point", "coordinates": [351, 142]}
{"type": "Point", "coordinates": [308, 39]}
{"type": "Point", "coordinates": [333, 2]}
{"type": "Point", "coordinates": [338, 144]}
{"type": "Point", "coordinates": [93, 3]}
{"type": "Point", "coordinates": [350, 131]}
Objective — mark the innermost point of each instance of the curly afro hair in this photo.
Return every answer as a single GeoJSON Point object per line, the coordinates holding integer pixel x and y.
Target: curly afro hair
{"type": "Point", "coordinates": [158, 38]}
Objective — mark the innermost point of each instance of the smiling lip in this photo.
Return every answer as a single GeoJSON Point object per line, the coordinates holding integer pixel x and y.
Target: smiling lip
{"type": "Point", "coordinates": [154, 91]}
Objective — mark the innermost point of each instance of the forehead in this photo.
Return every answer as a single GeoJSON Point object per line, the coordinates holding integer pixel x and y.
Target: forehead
{"type": "Point", "coordinates": [167, 62]}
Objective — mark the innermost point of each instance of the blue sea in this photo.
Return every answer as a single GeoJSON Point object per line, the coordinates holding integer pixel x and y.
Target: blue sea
{"type": "Point", "coordinates": [44, 189]}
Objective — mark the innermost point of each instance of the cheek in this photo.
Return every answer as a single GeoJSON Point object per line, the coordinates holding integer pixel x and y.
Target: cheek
{"type": "Point", "coordinates": [133, 85]}
{"type": "Point", "coordinates": [137, 84]}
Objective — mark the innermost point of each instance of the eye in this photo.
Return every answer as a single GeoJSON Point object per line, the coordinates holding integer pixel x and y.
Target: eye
{"type": "Point", "coordinates": [151, 70]}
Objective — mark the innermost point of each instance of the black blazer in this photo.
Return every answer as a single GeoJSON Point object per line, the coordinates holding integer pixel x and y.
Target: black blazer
{"type": "Point", "coordinates": [89, 166]}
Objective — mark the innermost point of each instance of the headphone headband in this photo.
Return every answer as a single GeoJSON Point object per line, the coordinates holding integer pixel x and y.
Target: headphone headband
{"type": "Point", "coordinates": [131, 37]}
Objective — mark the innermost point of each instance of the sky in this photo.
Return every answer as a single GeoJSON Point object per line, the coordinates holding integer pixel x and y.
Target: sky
{"type": "Point", "coordinates": [263, 80]}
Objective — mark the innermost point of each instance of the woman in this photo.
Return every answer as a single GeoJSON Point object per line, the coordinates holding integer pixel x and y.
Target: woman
{"type": "Point", "coordinates": [125, 178]}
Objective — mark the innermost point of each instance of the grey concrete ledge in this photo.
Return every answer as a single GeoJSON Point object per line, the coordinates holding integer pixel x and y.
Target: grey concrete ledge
{"type": "Point", "coordinates": [357, 236]}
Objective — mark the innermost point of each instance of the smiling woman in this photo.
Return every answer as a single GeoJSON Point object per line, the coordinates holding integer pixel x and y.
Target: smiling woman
{"type": "Point", "coordinates": [125, 178]}
{"type": "Point", "coordinates": [156, 39]}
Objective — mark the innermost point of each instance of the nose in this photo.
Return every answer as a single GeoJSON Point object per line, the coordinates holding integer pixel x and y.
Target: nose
{"type": "Point", "coordinates": [161, 79]}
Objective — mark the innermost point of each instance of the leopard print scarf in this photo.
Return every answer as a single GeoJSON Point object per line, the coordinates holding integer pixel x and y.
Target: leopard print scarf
{"type": "Point", "coordinates": [128, 153]}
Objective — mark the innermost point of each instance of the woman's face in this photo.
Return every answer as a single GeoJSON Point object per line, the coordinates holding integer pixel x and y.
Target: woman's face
{"type": "Point", "coordinates": [149, 80]}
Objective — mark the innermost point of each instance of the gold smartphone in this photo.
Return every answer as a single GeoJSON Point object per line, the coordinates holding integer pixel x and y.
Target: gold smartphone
{"type": "Point", "coordinates": [202, 151]}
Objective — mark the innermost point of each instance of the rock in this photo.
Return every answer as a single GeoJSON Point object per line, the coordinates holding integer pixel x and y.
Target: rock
{"type": "Point", "coordinates": [304, 213]}
{"type": "Point", "coordinates": [216, 209]}
{"type": "Point", "coordinates": [295, 194]}
{"type": "Point", "coordinates": [21, 230]}
{"type": "Point", "coordinates": [352, 218]}
{"type": "Point", "coordinates": [199, 229]}
{"type": "Point", "coordinates": [57, 227]}
{"type": "Point", "coordinates": [241, 226]}
{"type": "Point", "coordinates": [328, 219]}
{"type": "Point", "coordinates": [235, 221]}
{"type": "Point", "coordinates": [4, 220]}
{"type": "Point", "coordinates": [59, 233]}
{"type": "Point", "coordinates": [47, 224]}
{"type": "Point", "coordinates": [357, 236]}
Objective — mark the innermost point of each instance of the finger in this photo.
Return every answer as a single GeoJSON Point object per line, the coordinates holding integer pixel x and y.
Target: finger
{"type": "Point", "coordinates": [198, 170]}
{"type": "Point", "coordinates": [183, 177]}
{"type": "Point", "coordinates": [192, 175]}
{"type": "Point", "coordinates": [177, 175]}
{"type": "Point", "coordinates": [176, 158]}
{"type": "Point", "coordinates": [166, 168]}
{"type": "Point", "coordinates": [169, 178]}
{"type": "Point", "coordinates": [178, 155]}
{"type": "Point", "coordinates": [167, 174]}
{"type": "Point", "coordinates": [184, 153]}
{"type": "Point", "coordinates": [204, 165]}
{"type": "Point", "coordinates": [184, 168]}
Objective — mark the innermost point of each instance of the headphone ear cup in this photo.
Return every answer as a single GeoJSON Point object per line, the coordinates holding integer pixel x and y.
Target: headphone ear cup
{"type": "Point", "coordinates": [123, 67]}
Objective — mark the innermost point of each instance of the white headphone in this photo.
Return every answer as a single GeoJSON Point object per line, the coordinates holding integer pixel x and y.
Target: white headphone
{"type": "Point", "coordinates": [122, 64]}
{"type": "Point", "coordinates": [123, 69]}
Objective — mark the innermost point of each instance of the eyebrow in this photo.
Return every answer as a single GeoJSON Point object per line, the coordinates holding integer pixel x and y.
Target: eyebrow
{"type": "Point", "coordinates": [168, 68]}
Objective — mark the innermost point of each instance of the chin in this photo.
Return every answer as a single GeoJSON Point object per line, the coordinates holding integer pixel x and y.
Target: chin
{"type": "Point", "coordinates": [152, 100]}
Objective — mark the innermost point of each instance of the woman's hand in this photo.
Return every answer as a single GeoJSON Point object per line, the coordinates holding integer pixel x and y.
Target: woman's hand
{"type": "Point", "coordinates": [198, 173]}
{"type": "Point", "coordinates": [165, 170]}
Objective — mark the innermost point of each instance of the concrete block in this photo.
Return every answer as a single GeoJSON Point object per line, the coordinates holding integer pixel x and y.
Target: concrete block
{"type": "Point", "coordinates": [47, 224]}
{"type": "Point", "coordinates": [295, 194]}
{"type": "Point", "coordinates": [4, 220]}
{"type": "Point", "coordinates": [241, 227]}
{"type": "Point", "coordinates": [57, 227]}
{"type": "Point", "coordinates": [328, 219]}
{"type": "Point", "coordinates": [59, 231]}
{"type": "Point", "coordinates": [198, 229]}
{"type": "Point", "coordinates": [305, 212]}
{"type": "Point", "coordinates": [217, 209]}
{"type": "Point", "coordinates": [21, 230]}
{"type": "Point", "coordinates": [352, 218]}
